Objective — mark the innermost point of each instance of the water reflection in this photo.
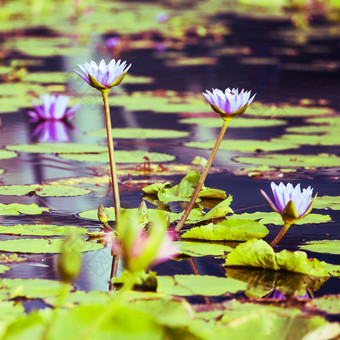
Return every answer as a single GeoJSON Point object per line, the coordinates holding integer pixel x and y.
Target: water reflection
{"type": "Point", "coordinates": [50, 131]}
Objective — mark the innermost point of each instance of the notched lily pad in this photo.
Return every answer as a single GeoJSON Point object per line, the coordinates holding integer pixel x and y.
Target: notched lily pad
{"type": "Point", "coordinates": [323, 246]}
{"type": "Point", "coordinates": [228, 230]}
{"type": "Point", "coordinates": [40, 230]}
{"type": "Point", "coordinates": [331, 202]}
{"type": "Point", "coordinates": [196, 249]}
{"type": "Point", "coordinates": [17, 209]}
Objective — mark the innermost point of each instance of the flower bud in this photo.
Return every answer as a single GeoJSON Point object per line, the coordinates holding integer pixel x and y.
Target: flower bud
{"type": "Point", "coordinates": [103, 215]}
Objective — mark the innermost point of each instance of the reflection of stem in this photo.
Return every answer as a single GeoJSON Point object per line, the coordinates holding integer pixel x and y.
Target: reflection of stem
{"type": "Point", "coordinates": [114, 268]}
{"type": "Point", "coordinates": [196, 272]}
{"type": "Point", "coordinates": [280, 234]}
{"type": "Point", "coordinates": [203, 176]}
{"type": "Point", "coordinates": [58, 306]}
{"type": "Point", "coordinates": [114, 179]}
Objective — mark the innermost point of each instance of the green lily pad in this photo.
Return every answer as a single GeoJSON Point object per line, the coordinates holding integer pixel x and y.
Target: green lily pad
{"type": "Point", "coordinates": [43, 246]}
{"type": "Point", "coordinates": [46, 77]}
{"type": "Point", "coordinates": [155, 188]}
{"type": "Point", "coordinates": [275, 218]}
{"type": "Point", "coordinates": [4, 154]}
{"type": "Point", "coordinates": [245, 145]}
{"type": "Point", "coordinates": [259, 254]}
{"type": "Point", "coordinates": [196, 249]}
{"type": "Point", "coordinates": [218, 211]}
{"type": "Point", "coordinates": [228, 230]}
{"type": "Point", "coordinates": [17, 209]}
{"type": "Point", "coordinates": [186, 285]}
{"type": "Point", "coordinates": [57, 148]}
{"type": "Point", "coordinates": [332, 202]}
{"type": "Point", "coordinates": [3, 268]}
{"type": "Point", "coordinates": [140, 133]}
{"type": "Point", "coordinates": [121, 157]}
{"type": "Point", "coordinates": [303, 161]}
{"type": "Point", "coordinates": [235, 123]}
{"type": "Point", "coordinates": [2, 171]}
{"type": "Point", "coordinates": [323, 246]}
{"type": "Point", "coordinates": [327, 140]}
{"type": "Point", "coordinates": [12, 258]}
{"type": "Point", "coordinates": [43, 190]}
{"type": "Point", "coordinates": [31, 288]}
{"type": "Point", "coordinates": [40, 230]}
{"type": "Point", "coordinates": [329, 304]}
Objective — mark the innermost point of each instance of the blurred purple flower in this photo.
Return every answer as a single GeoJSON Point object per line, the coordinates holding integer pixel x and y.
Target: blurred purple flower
{"type": "Point", "coordinates": [103, 76]}
{"type": "Point", "coordinates": [229, 103]}
{"type": "Point", "coordinates": [301, 201]}
{"type": "Point", "coordinates": [51, 131]}
{"type": "Point", "coordinates": [162, 17]}
{"type": "Point", "coordinates": [112, 42]}
{"type": "Point", "coordinates": [53, 108]}
{"type": "Point", "coordinates": [277, 295]}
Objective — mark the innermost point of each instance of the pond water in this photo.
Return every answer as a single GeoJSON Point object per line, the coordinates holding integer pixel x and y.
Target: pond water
{"type": "Point", "coordinates": [293, 71]}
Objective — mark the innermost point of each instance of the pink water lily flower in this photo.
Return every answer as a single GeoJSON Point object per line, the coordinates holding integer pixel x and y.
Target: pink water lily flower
{"type": "Point", "coordinates": [291, 203]}
{"type": "Point", "coordinates": [52, 108]}
{"type": "Point", "coordinates": [229, 103]}
{"type": "Point", "coordinates": [103, 76]}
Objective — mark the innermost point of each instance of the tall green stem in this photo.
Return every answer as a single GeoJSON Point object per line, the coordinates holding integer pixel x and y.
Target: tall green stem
{"type": "Point", "coordinates": [280, 234]}
{"type": "Point", "coordinates": [203, 176]}
{"type": "Point", "coordinates": [114, 178]}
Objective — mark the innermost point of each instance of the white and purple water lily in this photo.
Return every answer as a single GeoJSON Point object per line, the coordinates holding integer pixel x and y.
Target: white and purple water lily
{"type": "Point", "coordinates": [52, 131]}
{"type": "Point", "coordinates": [229, 103]}
{"type": "Point", "coordinates": [102, 76]}
{"type": "Point", "coordinates": [52, 108]}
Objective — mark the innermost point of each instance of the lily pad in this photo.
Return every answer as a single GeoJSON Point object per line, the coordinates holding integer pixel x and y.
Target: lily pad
{"type": "Point", "coordinates": [332, 202]}
{"type": "Point", "coordinates": [12, 258]}
{"type": "Point", "coordinates": [43, 190]}
{"type": "Point", "coordinates": [4, 154]}
{"type": "Point", "coordinates": [196, 249]}
{"type": "Point", "coordinates": [121, 157]}
{"type": "Point", "coordinates": [17, 209]}
{"type": "Point", "coordinates": [3, 268]}
{"type": "Point", "coordinates": [46, 77]}
{"type": "Point", "coordinates": [40, 230]}
{"type": "Point", "coordinates": [245, 145]}
{"type": "Point", "coordinates": [186, 285]}
{"type": "Point", "coordinates": [327, 140]}
{"type": "Point", "coordinates": [235, 123]}
{"type": "Point", "coordinates": [259, 254]}
{"type": "Point", "coordinates": [297, 161]}
{"type": "Point", "coordinates": [218, 211]}
{"type": "Point", "coordinates": [140, 133]}
{"type": "Point", "coordinates": [57, 148]}
{"type": "Point", "coordinates": [228, 230]}
{"type": "Point", "coordinates": [329, 304]}
{"type": "Point", "coordinates": [275, 218]}
{"type": "Point", "coordinates": [323, 246]}
{"type": "Point", "coordinates": [43, 246]}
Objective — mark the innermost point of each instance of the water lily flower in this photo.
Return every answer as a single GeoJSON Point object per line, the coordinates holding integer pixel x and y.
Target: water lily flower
{"type": "Point", "coordinates": [112, 42]}
{"type": "Point", "coordinates": [291, 203]}
{"type": "Point", "coordinates": [52, 108]}
{"type": "Point", "coordinates": [102, 76]}
{"type": "Point", "coordinates": [51, 131]}
{"type": "Point", "coordinates": [230, 103]}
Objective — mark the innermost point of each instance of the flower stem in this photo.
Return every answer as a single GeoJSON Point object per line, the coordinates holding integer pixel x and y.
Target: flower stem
{"type": "Point", "coordinates": [114, 269]}
{"type": "Point", "coordinates": [203, 176]}
{"type": "Point", "coordinates": [280, 234]}
{"type": "Point", "coordinates": [114, 178]}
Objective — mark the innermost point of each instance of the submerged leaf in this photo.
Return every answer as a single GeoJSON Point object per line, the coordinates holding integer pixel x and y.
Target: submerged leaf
{"type": "Point", "coordinates": [228, 230]}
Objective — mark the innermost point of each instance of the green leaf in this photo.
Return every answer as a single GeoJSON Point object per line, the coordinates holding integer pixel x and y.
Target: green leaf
{"type": "Point", "coordinates": [212, 193]}
{"type": "Point", "coordinates": [187, 185]}
{"type": "Point", "coordinates": [275, 218]}
{"type": "Point", "coordinates": [140, 133]}
{"type": "Point", "coordinates": [57, 148]}
{"type": "Point", "coordinates": [228, 230]}
{"type": "Point", "coordinates": [17, 209]}
{"type": "Point", "coordinates": [11, 258]}
{"type": "Point", "coordinates": [196, 249]}
{"type": "Point", "coordinates": [121, 157]}
{"type": "Point", "coordinates": [331, 202]}
{"type": "Point", "coordinates": [4, 154]}
{"type": "Point", "coordinates": [329, 303]}
{"type": "Point", "coordinates": [37, 246]}
{"type": "Point", "coordinates": [220, 210]}
{"type": "Point", "coordinates": [40, 230]}
{"type": "Point", "coordinates": [257, 253]}
{"type": "Point", "coordinates": [186, 285]}
{"type": "Point", "coordinates": [155, 188]}
{"type": "Point", "coordinates": [46, 77]}
{"type": "Point", "coordinates": [3, 268]}
{"type": "Point", "coordinates": [323, 246]}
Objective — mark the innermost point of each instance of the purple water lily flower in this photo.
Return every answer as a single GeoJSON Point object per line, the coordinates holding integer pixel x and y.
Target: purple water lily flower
{"type": "Point", "coordinates": [52, 108]}
{"type": "Point", "coordinates": [103, 76]}
{"type": "Point", "coordinates": [229, 103]}
{"type": "Point", "coordinates": [112, 42]}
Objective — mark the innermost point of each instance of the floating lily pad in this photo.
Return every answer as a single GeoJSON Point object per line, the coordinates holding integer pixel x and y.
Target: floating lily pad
{"type": "Point", "coordinates": [43, 190]}
{"type": "Point", "coordinates": [4, 154]}
{"type": "Point", "coordinates": [304, 161]}
{"type": "Point", "coordinates": [329, 304]}
{"type": "Point", "coordinates": [46, 77]}
{"type": "Point", "coordinates": [327, 140]}
{"type": "Point", "coordinates": [43, 246]}
{"type": "Point", "coordinates": [228, 230]}
{"type": "Point", "coordinates": [202, 248]}
{"type": "Point", "coordinates": [332, 202]}
{"type": "Point", "coordinates": [17, 209]}
{"type": "Point", "coordinates": [264, 172]}
{"type": "Point", "coordinates": [2, 171]}
{"type": "Point", "coordinates": [259, 254]}
{"type": "Point", "coordinates": [140, 133]}
{"type": "Point", "coordinates": [275, 218]}
{"type": "Point", "coordinates": [323, 246]}
{"type": "Point", "coordinates": [40, 229]}
{"type": "Point", "coordinates": [186, 285]}
{"type": "Point", "coordinates": [121, 157]}
{"type": "Point", "coordinates": [3, 268]}
{"type": "Point", "coordinates": [218, 211]}
{"type": "Point", "coordinates": [57, 148]}
{"type": "Point", "coordinates": [245, 145]}
{"type": "Point", "coordinates": [235, 123]}
{"type": "Point", "coordinates": [12, 258]}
